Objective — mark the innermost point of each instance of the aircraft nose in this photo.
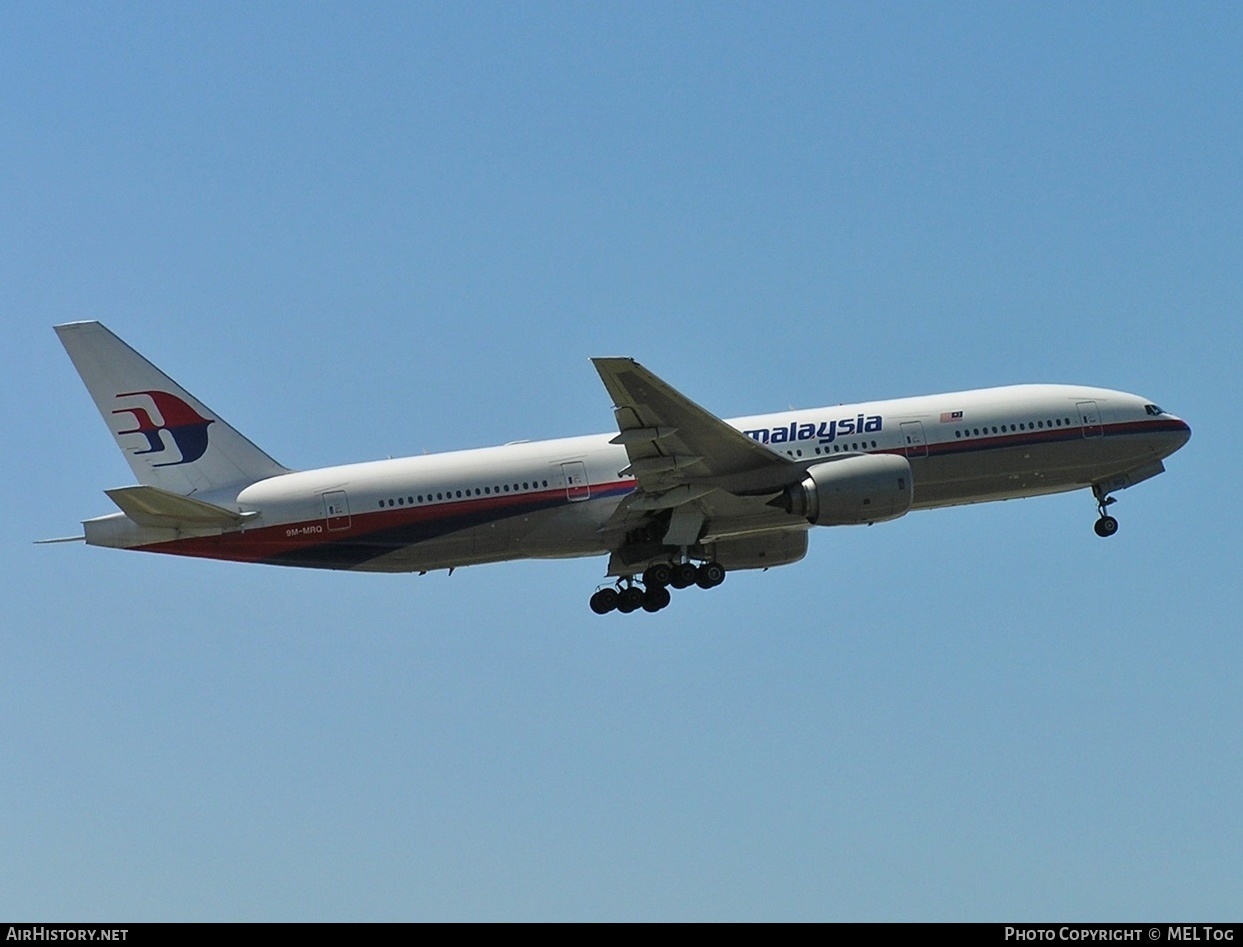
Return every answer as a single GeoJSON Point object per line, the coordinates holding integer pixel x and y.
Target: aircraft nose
{"type": "Point", "coordinates": [1179, 433]}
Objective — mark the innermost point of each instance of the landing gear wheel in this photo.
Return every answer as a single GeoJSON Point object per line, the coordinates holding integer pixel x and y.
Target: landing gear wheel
{"type": "Point", "coordinates": [604, 601]}
{"type": "Point", "coordinates": [684, 575]}
{"type": "Point", "coordinates": [1105, 526]}
{"type": "Point", "coordinates": [629, 599]}
{"type": "Point", "coordinates": [709, 575]}
{"type": "Point", "coordinates": [655, 598]}
{"type": "Point", "coordinates": [660, 574]}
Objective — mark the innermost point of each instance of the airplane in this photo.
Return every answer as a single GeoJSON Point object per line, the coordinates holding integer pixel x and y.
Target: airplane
{"type": "Point", "coordinates": [677, 497]}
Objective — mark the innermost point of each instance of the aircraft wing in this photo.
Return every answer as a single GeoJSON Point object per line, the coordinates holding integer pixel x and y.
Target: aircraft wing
{"type": "Point", "coordinates": [709, 479]}
{"type": "Point", "coordinates": [673, 443]}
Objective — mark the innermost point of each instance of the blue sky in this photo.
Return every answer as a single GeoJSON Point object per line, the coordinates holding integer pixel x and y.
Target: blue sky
{"type": "Point", "coordinates": [378, 230]}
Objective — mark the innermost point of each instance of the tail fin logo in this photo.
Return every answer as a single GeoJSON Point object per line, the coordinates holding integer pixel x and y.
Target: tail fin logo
{"type": "Point", "coordinates": [184, 425]}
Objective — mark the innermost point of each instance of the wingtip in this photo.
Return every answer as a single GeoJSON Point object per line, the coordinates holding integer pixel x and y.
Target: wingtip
{"type": "Point", "coordinates": [81, 323]}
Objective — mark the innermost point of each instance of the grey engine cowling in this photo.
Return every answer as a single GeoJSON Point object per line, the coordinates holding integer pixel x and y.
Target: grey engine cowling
{"type": "Point", "coordinates": [863, 488]}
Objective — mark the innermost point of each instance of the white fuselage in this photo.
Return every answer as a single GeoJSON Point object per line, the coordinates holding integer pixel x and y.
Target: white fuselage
{"type": "Point", "coordinates": [555, 498]}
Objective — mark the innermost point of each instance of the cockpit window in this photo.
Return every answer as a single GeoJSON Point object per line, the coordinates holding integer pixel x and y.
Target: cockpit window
{"type": "Point", "coordinates": [1153, 410]}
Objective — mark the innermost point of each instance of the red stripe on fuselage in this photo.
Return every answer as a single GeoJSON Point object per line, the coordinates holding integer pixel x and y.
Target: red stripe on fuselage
{"type": "Point", "coordinates": [271, 542]}
{"type": "Point", "coordinates": [1073, 434]}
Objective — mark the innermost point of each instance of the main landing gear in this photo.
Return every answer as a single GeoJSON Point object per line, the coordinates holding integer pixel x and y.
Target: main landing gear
{"type": "Point", "coordinates": [653, 594]}
{"type": "Point", "coordinates": [1106, 526]}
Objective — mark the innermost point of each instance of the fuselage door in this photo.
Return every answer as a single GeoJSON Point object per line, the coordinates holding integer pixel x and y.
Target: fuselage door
{"type": "Point", "coordinates": [1090, 415]}
{"type": "Point", "coordinates": [913, 443]}
{"type": "Point", "coordinates": [337, 510]}
{"type": "Point", "coordinates": [576, 485]}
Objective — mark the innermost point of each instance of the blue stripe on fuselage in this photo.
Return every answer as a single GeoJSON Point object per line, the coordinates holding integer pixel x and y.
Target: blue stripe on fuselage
{"type": "Point", "coordinates": [422, 524]}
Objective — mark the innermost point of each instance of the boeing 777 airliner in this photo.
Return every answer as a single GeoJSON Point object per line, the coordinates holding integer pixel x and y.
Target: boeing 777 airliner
{"type": "Point", "coordinates": [675, 498]}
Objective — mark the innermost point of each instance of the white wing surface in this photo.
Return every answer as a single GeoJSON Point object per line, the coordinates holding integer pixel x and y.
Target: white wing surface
{"type": "Point", "coordinates": [699, 479]}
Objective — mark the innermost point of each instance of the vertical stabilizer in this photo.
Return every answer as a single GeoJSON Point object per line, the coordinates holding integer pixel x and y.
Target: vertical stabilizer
{"type": "Point", "coordinates": [170, 439]}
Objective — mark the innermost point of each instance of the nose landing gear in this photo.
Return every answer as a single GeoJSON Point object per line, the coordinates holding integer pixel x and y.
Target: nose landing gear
{"type": "Point", "coordinates": [653, 595]}
{"type": "Point", "coordinates": [1106, 526]}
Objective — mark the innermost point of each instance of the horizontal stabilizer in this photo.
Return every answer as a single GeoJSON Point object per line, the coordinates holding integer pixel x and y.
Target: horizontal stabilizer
{"type": "Point", "coordinates": [151, 506]}
{"type": "Point", "coordinates": [61, 539]}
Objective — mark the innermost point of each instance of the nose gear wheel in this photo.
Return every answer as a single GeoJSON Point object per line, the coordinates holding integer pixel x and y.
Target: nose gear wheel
{"type": "Point", "coordinates": [1106, 525]}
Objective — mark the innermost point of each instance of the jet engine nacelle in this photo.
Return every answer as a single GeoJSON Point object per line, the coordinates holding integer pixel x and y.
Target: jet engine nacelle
{"type": "Point", "coordinates": [865, 488]}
